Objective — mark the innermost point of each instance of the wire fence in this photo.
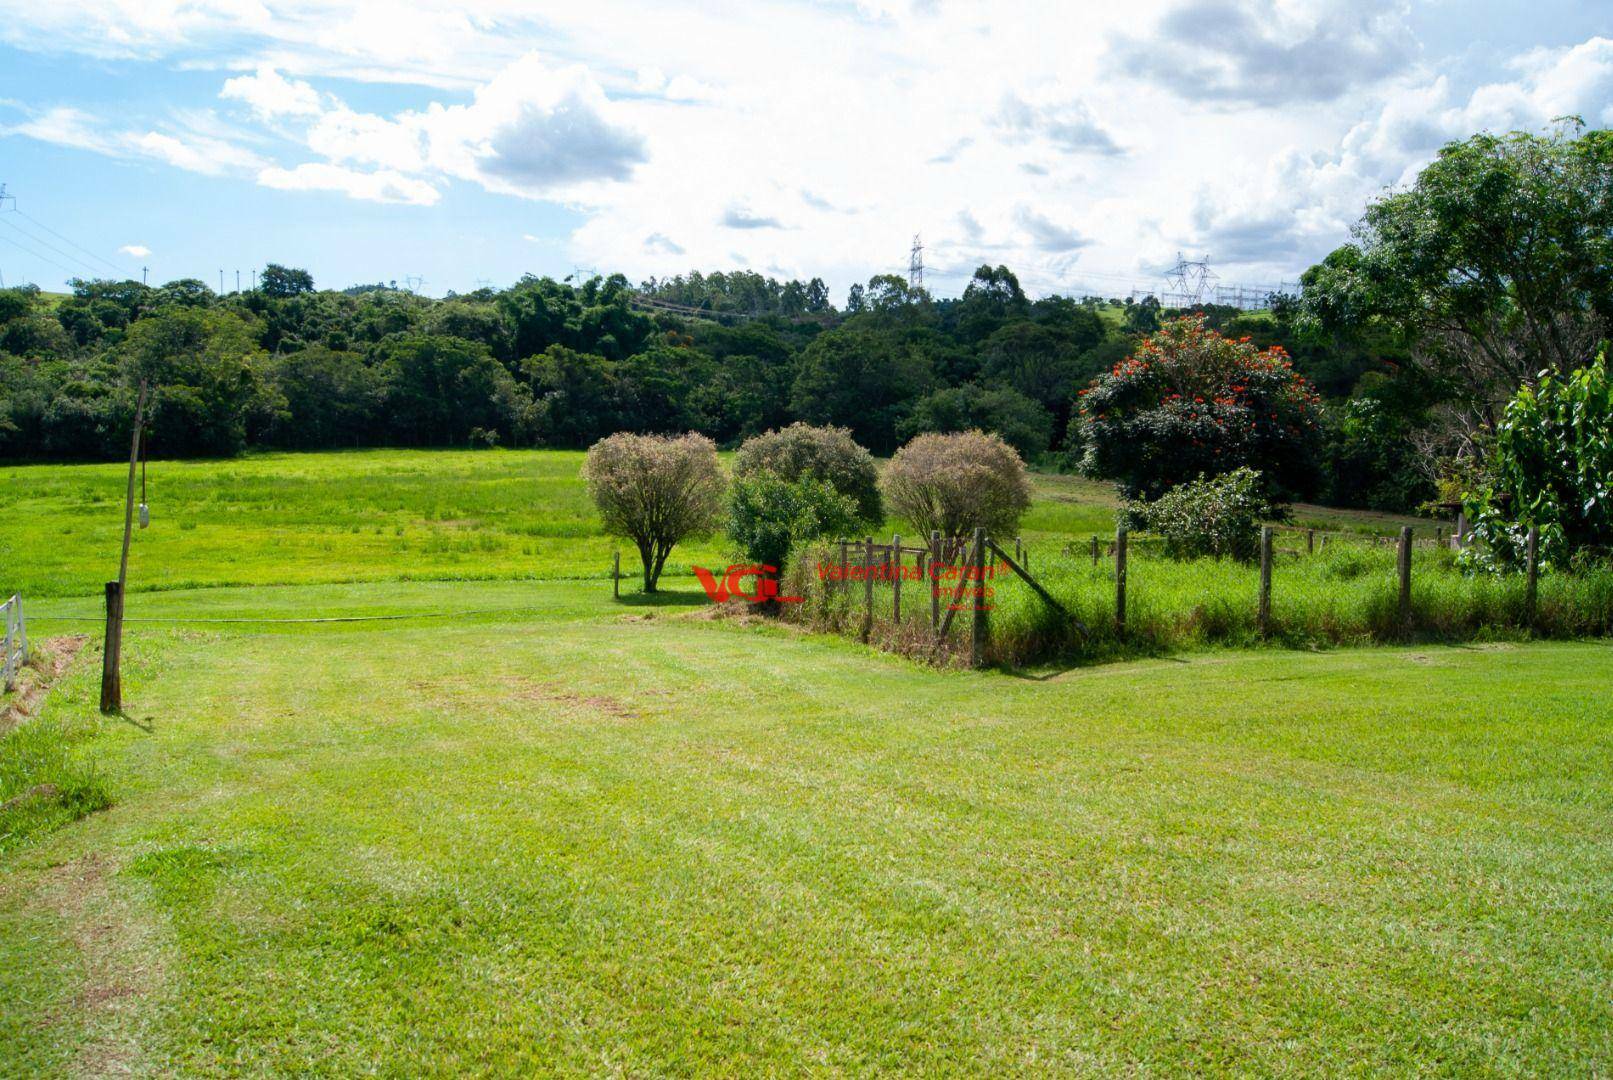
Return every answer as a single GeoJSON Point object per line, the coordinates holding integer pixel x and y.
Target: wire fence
{"type": "Point", "coordinates": [1128, 594]}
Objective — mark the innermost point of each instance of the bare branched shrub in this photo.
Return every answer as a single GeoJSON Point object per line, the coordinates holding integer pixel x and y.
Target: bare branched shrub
{"type": "Point", "coordinates": [957, 483]}
{"type": "Point", "coordinates": [656, 490]}
{"type": "Point", "coordinates": [805, 452]}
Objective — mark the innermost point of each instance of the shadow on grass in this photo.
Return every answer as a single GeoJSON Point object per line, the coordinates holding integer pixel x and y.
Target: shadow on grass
{"type": "Point", "coordinates": [665, 598]}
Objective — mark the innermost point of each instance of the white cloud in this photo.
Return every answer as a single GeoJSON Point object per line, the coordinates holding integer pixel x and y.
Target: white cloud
{"type": "Point", "coordinates": [270, 94]}
{"type": "Point", "coordinates": [139, 251]}
{"type": "Point", "coordinates": [180, 147]}
{"type": "Point", "coordinates": [383, 185]}
{"type": "Point", "coordinates": [1068, 126]}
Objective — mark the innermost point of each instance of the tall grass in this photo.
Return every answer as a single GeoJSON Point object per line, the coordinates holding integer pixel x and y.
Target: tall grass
{"type": "Point", "coordinates": [1345, 594]}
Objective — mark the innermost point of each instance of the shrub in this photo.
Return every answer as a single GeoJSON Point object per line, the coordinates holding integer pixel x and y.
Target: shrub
{"type": "Point", "coordinates": [1553, 456]}
{"type": "Point", "coordinates": [1190, 402]}
{"type": "Point", "coordinates": [655, 490]}
{"type": "Point", "coordinates": [955, 483]}
{"type": "Point", "coordinates": [1211, 516]}
{"type": "Point", "coordinates": [802, 451]}
{"type": "Point", "coordinates": [768, 516]}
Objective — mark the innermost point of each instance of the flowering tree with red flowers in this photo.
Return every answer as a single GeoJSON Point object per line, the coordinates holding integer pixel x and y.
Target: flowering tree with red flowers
{"type": "Point", "coordinates": [1190, 402]}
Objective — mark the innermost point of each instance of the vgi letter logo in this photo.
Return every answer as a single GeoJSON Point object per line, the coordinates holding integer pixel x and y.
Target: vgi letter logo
{"type": "Point", "coordinates": [730, 587]}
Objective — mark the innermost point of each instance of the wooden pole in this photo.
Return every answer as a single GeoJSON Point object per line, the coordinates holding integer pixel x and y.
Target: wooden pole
{"type": "Point", "coordinates": [843, 565]}
{"type": "Point", "coordinates": [1403, 565]}
{"type": "Point", "coordinates": [978, 625]}
{"type": "Point", "coordinates": [1310, 541]}
{"type": "Point", "coordinates": [935, 581]}
{"type": "Point", "coordinates": [616, 575]}
{"type": "Point", "coordinates": [1264, 617]}
{"type": "Point", "coordinates": [1531, 583]}
{"type": "Point", "coordinates": [1120, 580]}
{"type": "Point", "coordinates": [1094, 549]}
{"type": "Point", "coordinates": [112, 646]}
{"type": "Point", "coordinates": [1461, 530]}
{"type": "Point", "coordinates": [868, 587]}
{"type": "Point", "coordinates": [896, 582]}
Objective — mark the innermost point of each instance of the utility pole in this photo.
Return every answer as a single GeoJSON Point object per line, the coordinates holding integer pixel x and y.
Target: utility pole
{"type": "Point", "coordinates": [238, 281]}
{"type": "Point", "coordinates": [112, 648]}
{"type": "Point", "coordinates": [915, 264]}
{"type": "Point", "coordinates": [143, 271]}
{"type": "Point", "coordinates": [221, 281]}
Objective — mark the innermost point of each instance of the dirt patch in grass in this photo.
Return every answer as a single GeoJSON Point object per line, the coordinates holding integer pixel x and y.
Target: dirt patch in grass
{"type": "Point", "coordinates": [527, 690]}
{"type": "Point", "coordinates": [48, 663]}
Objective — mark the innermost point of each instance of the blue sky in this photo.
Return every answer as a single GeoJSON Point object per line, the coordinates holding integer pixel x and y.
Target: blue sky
{"type": "Point", "coordinates": [479, 140]}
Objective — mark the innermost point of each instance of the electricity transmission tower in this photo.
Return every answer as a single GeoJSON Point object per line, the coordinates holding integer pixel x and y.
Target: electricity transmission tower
{"type": "Point", "coordinates": [1188, 280]}
{"type": "Point", "coordinates": [915, 264]}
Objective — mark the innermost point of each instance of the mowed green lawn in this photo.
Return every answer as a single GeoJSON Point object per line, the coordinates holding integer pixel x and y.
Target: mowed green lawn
{"type": "Point", "coordinates": [523, 828]}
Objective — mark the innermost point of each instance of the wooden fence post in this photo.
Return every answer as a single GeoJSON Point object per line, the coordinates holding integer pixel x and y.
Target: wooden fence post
{"type": "Point", "coordinates": [843, 566]}
{"type": "Point", "coordinates": [896, 582]}
{"type": "Point", "coordinates": [1120, 580]}
{"type": "Point", "coordinates": [935, 581]}
{"type": "Point", "coordinates": [1461, 530]}
{"type": "Point", "coordinates": [868, 587]}
{"type": "Point", "coordinates": [1310, 541]}
{"type": "Point", "coordinates": [1094, 549]}
{"type": "Point", "coordinates": [616, 575]}
{"type": "Point", "coordinates": [978, 625]}
{"type": "Point", "coordinates": [1531, 583]}
{"type": "Point", "coordinates": [1264, 615]}
{"type": "Point", "coordinates": [111, 673]}
{"type": "Point", "coordinates": [1403, 565]}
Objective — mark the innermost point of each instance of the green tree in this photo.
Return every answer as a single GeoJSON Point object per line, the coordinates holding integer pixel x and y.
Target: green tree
{"type": "Point", "coordinates": [284, 281]}
{"type": "Point", "coordinates": [861, 379]}
{"type": "Point", "coordinates": [1497, 263]}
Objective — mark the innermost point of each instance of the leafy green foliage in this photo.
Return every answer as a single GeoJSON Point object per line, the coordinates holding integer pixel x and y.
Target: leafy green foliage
{"type": "Point", "coordinates": [1552, 468]}
{"type": "Point", "coordinates": [829, 454]}
{"type": "Point", "coordinates": [1022, 423]}
{"type": "Point", "coordinates": [1215, 517]}
{"type": "Point", "coordinates": [769, 516]}
{"type": "Point", "coordinates": [1190, 401]}
{"type": "Point", "coordinates": [1497, 262]}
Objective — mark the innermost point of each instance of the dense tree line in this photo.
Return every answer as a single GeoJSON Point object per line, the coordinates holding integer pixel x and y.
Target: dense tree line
{"type": "Point", "coordinates": [549, 363]}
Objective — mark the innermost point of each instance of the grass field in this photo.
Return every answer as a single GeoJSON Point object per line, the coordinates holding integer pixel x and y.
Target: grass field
{"type": "Point", "coordinates": [369, 515]}
{"type": "Point", "coordinates": [516, 827]}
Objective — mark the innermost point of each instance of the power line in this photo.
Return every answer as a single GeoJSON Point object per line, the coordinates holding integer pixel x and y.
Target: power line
{"type": "Point", "coordinates": [43, 258]}
{"type": "Point", "coordinates": [48, 245]}
{"type": "Point", "coordinates": [104, 262]}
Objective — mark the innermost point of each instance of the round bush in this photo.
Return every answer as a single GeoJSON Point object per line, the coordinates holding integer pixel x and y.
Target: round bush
{"type": "Point", "coordinates": [957, 483]}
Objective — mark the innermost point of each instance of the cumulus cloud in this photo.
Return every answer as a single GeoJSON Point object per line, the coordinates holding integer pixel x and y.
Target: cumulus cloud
{"type": "Point", "coordinates": [383, 185]}
{"type": "Point", "coordinates": [1065, 125]}
{"type": "Point", "coordinates": [139, 251]}
{"type": "Point", "coordinates": [1267, 52]}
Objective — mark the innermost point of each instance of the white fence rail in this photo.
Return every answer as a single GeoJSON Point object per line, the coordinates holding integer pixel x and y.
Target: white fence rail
{"type": "Point", "coordinates": [16, 641]}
